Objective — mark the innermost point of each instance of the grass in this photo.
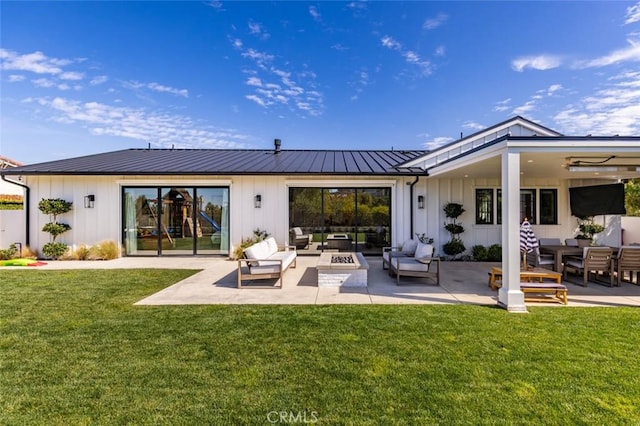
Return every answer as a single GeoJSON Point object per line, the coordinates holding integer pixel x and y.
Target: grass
{"type": "Point", "coordinates": [74, 350]}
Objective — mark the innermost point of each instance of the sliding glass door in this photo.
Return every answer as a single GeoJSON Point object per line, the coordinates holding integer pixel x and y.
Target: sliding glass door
{"type": "Point", "coordinates": [176, 220]}
{"type": "Point", "coordinates": [340, 219]}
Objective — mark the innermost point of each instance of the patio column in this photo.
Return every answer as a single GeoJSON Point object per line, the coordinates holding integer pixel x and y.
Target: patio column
{"type": "Point", "coordinates": [510, 296]}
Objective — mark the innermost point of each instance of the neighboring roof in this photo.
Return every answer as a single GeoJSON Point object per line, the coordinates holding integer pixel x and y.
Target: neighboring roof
{"type": "Point", "coordinates": [8, 162]}
{"type": "Point", "coordinates": [229, 162]}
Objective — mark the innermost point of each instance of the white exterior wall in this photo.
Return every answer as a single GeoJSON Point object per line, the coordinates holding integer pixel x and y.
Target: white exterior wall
{"type": "Point", "coordinates": [439, 192]}
{"type": "Point", "coordinates": [103, 222]}
{"type": "Point", "coordinates": [12, 228]}
{"type": "Point", "coordinates": [631, 229]}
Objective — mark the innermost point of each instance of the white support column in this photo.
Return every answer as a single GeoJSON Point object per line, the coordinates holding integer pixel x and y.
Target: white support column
{"type": "Point", "coordinates": [510, 296]}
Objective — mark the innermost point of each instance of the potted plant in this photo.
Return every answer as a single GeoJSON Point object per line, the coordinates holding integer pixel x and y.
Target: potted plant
{"type": "Point", "coordinates": [588, 228]}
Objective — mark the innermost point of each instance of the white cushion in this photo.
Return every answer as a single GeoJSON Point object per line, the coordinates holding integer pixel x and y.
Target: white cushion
{"type": "Point", "coordinates": [272, 246]}
{"type": "Point", "coordinates": [297, 231]}
{"type": "Point", "coordinates": [424, 250]}
{"type": "Point", "coordinates": [409, 247]}
{"type": "Point", "coordinates": [409, 264]}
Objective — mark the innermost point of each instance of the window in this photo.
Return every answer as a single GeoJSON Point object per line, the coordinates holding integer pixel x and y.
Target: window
{"type": "Point", "coordinates": [484, 206]}
{"type": "Point", "coordinates": [548, 206]}
{"type": "Point", "coordinates": [528, 205]}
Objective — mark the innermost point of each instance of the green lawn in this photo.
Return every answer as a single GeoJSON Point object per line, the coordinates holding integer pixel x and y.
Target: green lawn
{"type": "Point", "coordinates": [74, 350]}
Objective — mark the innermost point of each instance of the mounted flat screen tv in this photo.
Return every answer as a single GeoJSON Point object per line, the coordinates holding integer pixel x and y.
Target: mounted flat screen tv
{"type": "Point", "coordinates": [596, 200]}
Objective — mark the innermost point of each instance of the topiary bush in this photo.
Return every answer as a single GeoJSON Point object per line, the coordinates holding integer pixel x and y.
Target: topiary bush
{"type": "Point", "coordinates": [454, 246]}
{"type": "Point", "coordinates": [54, 207]}
{"type": "Point", "coordinates": [494, 253]}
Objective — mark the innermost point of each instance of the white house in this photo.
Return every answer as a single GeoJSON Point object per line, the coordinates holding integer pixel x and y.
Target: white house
{"type": "Point", "coordinates": [203, 202]}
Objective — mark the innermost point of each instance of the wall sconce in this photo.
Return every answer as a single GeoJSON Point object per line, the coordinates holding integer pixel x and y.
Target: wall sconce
{"type": "Point", "coordinates": [258, 201]}
{"type": "Point", "coordinates": [89, 201]}
{"type": "Point", "coordinates": [421, 201]}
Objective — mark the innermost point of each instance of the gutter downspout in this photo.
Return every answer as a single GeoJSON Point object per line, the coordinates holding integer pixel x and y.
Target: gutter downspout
{"type": "Point", "coordinates": [26, 207]}
{"type": "Point", "coordinates": [411, 204]}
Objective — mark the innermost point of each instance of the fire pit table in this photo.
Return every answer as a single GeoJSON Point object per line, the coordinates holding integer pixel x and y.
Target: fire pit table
{"type": "Point", "coordinates": [342, 270]}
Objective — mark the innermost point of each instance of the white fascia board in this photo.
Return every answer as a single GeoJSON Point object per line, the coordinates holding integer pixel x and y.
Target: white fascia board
{"type": "Point", "coordinates": [476, 157]}
{"type": "Point", "coordinates": [498, 131]}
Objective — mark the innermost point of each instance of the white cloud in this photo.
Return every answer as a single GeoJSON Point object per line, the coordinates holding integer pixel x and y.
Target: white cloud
{"type": "Point", "coordinates": [524, 109]}
{"type": "Point", "coordinates": [436, 142]}
{"type": "Point", "coordinates": [551, 90]}
{"type": "Point", "coordinates": [502, 105]}
{"type": "Point", "coordinates": [633, 14]}
{"type": "Point", "coordinates": [440, 51]}
{"type": "Point", "coordinates": [166, 89]}
{"type": "Point", "coordinates": [257, 29]}
{"type": "Point", "coordinates": [71, 75]}
{"type": "Point", "coordinates": [339, 47]}
{"type": "Point", "coordinates": [630, 53]}
{"type": "Point", "coordinates": [389, 42]}
{"type": "Point", "coordinates": [43, 82]}
{"type": "Point", "coordinates": [409, 56]}
{"type": "Point", "coordinates": [159, 128]}
{"type": "Point", "coordinates": [313, 11]}
{"type": "Point", "coordinates": [98, 80]}
{"type": "Point", "coordinates": [433, 23]}
{"type": "Point", "coordinates": [216, 4]}
{"type": "Point", "coordinates": [542, 62]}
{"type": "Point", "coordinates": [472, 125]}
{"type": "Point", "coordinates": [258, 100]}
{"type": "Point", "coordinates": [614, 109]}
{"type": "Point", "coordinates": [254, 81]}
{"type": "Point", "coordinates": [36, 62]}
{"type": "Point", "coordinates": [14, 78]}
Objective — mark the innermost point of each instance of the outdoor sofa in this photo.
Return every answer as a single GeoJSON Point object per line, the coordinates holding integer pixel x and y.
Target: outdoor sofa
{"type": "Point", "coordinates": [265, 260]}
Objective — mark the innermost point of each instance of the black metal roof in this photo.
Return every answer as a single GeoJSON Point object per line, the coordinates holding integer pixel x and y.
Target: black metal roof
{"type": "Point", "coordinates": [229, 162]}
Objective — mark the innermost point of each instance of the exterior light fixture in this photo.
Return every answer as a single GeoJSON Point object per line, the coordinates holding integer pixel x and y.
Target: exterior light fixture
{"type": "Point", "coordinates": [421, 201]}
{"type": "Point", "coordinates": [89, 201]}
{"type": "Point", "coordinates": [258, 201]}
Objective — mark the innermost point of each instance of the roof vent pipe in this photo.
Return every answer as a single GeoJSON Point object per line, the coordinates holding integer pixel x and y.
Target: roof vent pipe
{"type": "Point", "coordinates": [276, 144]}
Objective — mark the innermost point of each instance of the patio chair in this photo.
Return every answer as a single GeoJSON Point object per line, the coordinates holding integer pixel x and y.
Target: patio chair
{"type": "Point", "coordinates": [298, 239]}
{"type": "Point", "coordinates": [537, 260]}
{"type": "Point", "coordinates": [549, 242]}
{"type": "Point", "coordinates": [571, 242]}
{"type": "Point", "coordinates": [628, 260]}
{"type": "Point", "coordinates": [423, 264]}
{"type": "Point", "coordinates": [407, 249]}
{"type": "Point", "coordinates": [594, 259]}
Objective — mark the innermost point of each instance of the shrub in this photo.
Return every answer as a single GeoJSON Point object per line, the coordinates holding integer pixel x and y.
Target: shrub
{"type": "Point", "coordinates": [10, 253]}
{"type": "Point", "coordinates": [104, 250]}
{"type": "Point", "coordinates": [453, 247]}
{"type": "Point", "coordinates": [479, 253]}
{"type": "Point", "coordinates": [54, 250]}
{"type": "Point", "coordinates": [494, 253]}
{"type": "Point", "coordinates": [27, 253]}
{"type": "Point", "coordinates": [82, 252]}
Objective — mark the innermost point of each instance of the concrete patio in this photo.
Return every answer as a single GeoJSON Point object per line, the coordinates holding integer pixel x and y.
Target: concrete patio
{"type": "Point", "coordinates": [460, 283]}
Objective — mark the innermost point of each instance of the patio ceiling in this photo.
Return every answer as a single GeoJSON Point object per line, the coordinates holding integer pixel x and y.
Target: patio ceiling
{"type": "Point", "coordinates": [552, 165]}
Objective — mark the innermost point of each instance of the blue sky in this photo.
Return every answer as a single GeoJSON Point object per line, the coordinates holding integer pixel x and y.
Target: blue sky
{"type": "Point", "coordinates": [86, 77]}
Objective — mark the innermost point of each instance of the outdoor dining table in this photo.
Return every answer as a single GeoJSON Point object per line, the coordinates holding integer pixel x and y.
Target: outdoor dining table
{"type": "Point", "coordinates": [560, 251]}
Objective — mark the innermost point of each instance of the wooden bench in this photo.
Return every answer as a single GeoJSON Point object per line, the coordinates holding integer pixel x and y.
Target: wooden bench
{"type": "Point", "coordinates": [531, 275]}
{"type": "Point", "coordinates": [559, 291]}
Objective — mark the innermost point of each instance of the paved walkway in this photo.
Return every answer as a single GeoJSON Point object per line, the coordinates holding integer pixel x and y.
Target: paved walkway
{"type": "Point", "coordinates": [460, 282]}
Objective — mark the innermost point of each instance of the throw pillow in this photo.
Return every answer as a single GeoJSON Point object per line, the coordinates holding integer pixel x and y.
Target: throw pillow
{"type": "Point", "coordinates": [409, 247]}
{"type": "Point", "coordinates": [424, 250]}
